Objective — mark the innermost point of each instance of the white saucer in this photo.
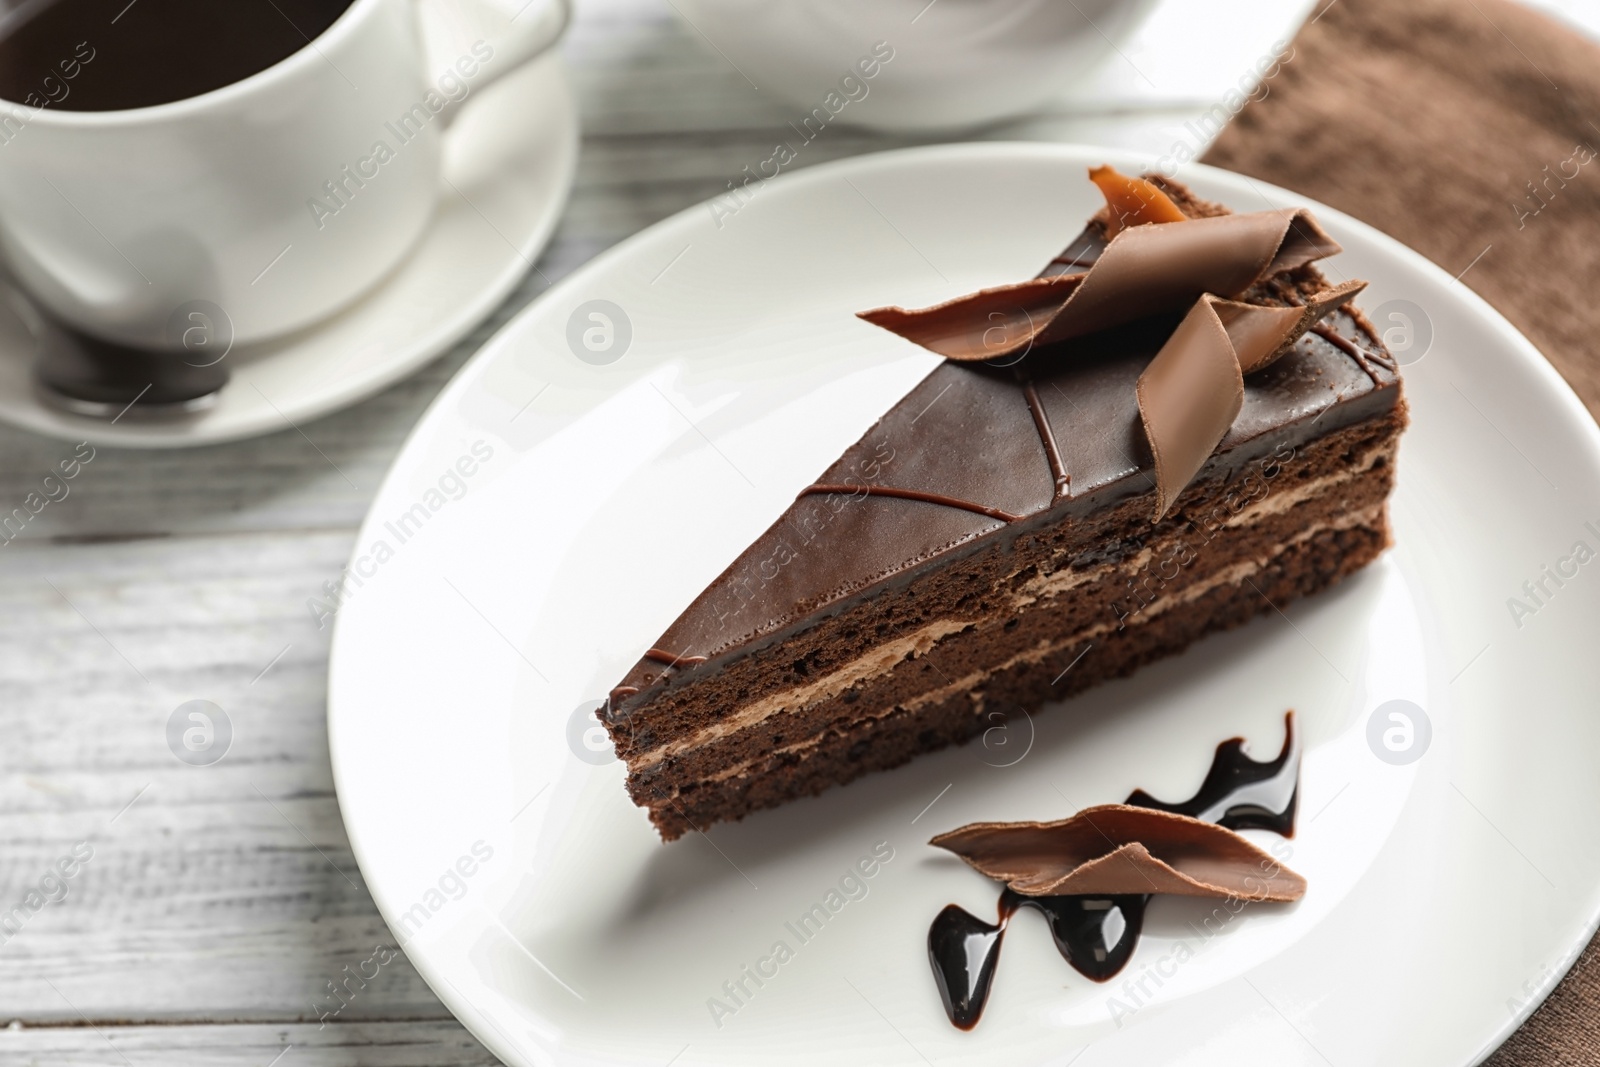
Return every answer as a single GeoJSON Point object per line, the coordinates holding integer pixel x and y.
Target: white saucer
{"type": "Point", "coordinates": [553, 511]}
{"type": "Point", "coordinates": [509, 163]}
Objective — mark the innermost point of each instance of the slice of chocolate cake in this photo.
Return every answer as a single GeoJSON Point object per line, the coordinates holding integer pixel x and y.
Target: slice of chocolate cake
{"type": "Point", "coordinates": [1161, 436]}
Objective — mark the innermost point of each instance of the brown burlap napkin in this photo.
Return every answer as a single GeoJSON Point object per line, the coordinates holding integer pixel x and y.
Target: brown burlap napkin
{"type": "Point", "coordinates": [1470, 130]}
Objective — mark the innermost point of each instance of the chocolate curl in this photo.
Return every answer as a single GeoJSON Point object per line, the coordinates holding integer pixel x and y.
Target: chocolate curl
{"type": "Point", "coordinates": [1192, 391]}
{"type": "Point", "coordinates": [1144, 271]}
{"type": "Point", "coordinates": [1115, 849]}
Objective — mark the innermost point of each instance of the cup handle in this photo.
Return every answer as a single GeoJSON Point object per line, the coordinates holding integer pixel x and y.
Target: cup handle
{"type": "Point", "coordinates": [513, 35]}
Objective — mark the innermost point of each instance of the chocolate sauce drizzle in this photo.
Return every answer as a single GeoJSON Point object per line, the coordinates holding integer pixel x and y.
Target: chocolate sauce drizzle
{"type": "Point", "coordinates": [1240, 793]}
{"type": "Point", "coordinates": [661, 655]}
{"type": "Point", "coordinates": [1047, 437]}
{"type": "Point", "coordinates": [914, 494]}
{"type": "Point", "coordinates": [1363, 358]}
{"type": "Point", "coordinates": [1097, 935]}
{"type": "Point", "coordinates": [657, 655]}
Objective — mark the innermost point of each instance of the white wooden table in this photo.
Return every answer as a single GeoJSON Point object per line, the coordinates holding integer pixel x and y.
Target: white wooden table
{"type": "Point", "coordinates": [220, 903]}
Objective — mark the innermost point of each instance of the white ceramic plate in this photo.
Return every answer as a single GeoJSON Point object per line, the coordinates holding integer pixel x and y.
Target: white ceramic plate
{"type": "Point", "coordinates": [509, 160]}
{"type": "Point", "coordinates": [549, 517]}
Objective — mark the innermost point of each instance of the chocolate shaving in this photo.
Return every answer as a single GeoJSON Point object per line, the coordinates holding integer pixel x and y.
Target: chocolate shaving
{"type": "Point", "coordinates": [1116, 849]}
{"type": "Point", "coordinates": [1145, 270]}
{"type": "Point", "coordinates": [1194, 388]}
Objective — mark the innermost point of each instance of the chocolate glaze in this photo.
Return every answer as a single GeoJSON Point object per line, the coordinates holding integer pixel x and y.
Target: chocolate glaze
{"type": "Point", "coordinates": [968, 432]}
{"type": "Point", "coordinates": [1081, 254]}
{"type": "Point", "coordinates": [1096, 935]}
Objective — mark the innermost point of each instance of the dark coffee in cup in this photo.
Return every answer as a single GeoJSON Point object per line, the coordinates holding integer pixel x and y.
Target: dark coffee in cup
{"type": "Point", "coordinates": [110, 55]}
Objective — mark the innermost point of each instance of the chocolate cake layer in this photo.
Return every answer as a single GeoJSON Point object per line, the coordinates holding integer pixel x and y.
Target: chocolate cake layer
{"type": "Point", "coordinates": [993, 528]}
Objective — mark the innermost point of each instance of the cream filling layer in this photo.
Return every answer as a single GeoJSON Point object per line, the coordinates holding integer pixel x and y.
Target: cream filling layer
{"type": "Point", "coordinates": [878, 660]}
{"type": "Point", "coordinates": [883, 658]}
{"type": "Point", "coordinates": [969, 683]}
{"type": "Point", "coordinates": [1044, 586]}
{"type": "Point", "coordinates": [1274, 504]}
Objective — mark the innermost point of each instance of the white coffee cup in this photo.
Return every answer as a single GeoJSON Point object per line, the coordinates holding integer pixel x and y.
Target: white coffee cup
{"type": "Point", "coordinates": [913, 64]}
{"type": "Point", "coordinates": [115, 221]}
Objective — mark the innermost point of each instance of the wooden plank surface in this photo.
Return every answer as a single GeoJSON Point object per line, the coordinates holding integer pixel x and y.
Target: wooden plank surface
{"type": "Point", "coordinates": [209, 908]}
{"type": "Point", "coordinates": [410, 1043]}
